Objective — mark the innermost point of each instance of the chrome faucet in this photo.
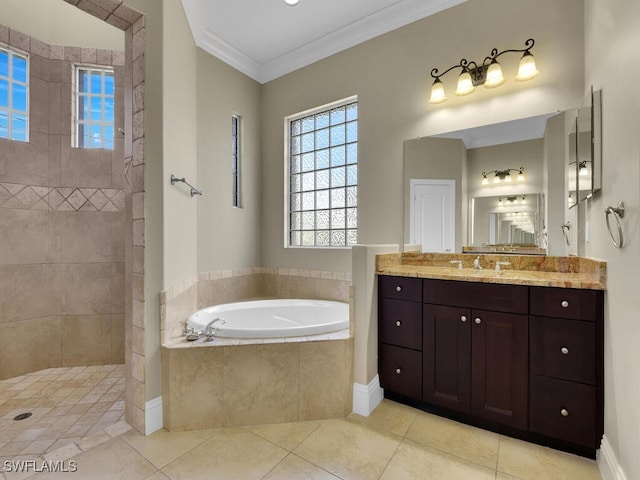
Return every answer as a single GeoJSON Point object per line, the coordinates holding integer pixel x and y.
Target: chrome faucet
{"type": "Point", "coordinates": [503, 264]}
{"type": "Point", "coordinates": [209, 331]}
{"type": "Point", "coordinates": [458, 262]}
{"type": "Point", "coordinates": [476, 264]}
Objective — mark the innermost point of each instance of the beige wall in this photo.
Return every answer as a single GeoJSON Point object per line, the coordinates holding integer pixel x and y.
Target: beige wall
{"type": "Point", "coordinates": [390, 76]}
{"type": "Point", "coordinates": [612, 42]}
{"type": "Point", "coordinates": [228, 237]}
{"type": "Point", "coordinates": [49, 21]}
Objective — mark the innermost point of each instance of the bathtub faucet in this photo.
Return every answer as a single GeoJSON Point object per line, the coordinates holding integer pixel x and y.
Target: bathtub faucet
{"type": "Point", "coordinates": [209, 331]}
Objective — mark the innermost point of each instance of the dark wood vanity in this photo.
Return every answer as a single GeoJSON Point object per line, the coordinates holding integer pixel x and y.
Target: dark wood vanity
{"type": "Point", "coordinates": [522, 360]}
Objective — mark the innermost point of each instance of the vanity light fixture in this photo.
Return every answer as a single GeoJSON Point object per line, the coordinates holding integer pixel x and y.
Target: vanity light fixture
{"type": "Point", "coordinates": [503, 175]}
{"type": "Point", "coordinates": [292, 3]}
{"type": "Point", "coordinates": [511, 200]}
{"type": "Point", "coordinates": [583, 171]}
{"type": "Point", "coordinates": [488, 73]}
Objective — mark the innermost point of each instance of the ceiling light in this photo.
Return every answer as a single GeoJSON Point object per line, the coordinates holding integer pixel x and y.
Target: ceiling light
{"type": "Point", "coordinates": [292, 3]}
{"type": "Point", "coordinates": [488, 73]}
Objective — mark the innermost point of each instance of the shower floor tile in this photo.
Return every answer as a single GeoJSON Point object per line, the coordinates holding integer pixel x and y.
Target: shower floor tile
{"type": "Point", "coordinates": [66, 404]}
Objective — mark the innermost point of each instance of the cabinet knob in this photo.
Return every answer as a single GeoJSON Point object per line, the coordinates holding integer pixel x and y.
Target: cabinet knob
{"type": "Point", "coordinates": [463, 318]}
{"type": "Point", "coordinates": [478, 321]}
{"type": "Point", "coordinates": [564, 350]}
{"type": "Point", "coordinates": [398, 288]}
{"type": "Point", "coordinates": [398, 323]}
{"type": "Point", "coordinates": [564, 412]}
{"type": "Point", "coordinates": [564, 304]}
{"type": "Point", "coordinates": [398, 371]}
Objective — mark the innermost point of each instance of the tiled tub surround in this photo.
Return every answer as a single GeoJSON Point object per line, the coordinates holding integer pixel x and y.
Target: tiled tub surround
{"type": "Point", "coordinates": [62, 225]}
{"type": "Point", "coordinates": [232, 382]}
{"type": "Point", "coordinates": [564, 272]}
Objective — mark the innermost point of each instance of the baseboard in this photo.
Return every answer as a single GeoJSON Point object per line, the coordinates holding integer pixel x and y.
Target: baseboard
{"type": "Point", "coordinates": [153, 416]}
{"type": "Point", "coordinates": [367, 397]}
{"type": "Point", "coordinates": [608, 464]}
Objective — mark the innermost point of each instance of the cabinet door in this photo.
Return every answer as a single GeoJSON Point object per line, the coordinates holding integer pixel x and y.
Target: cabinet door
{"type": "Point", "coordinates": [499, 361]}
{"type": "Point", "coordinates": [446, 356]}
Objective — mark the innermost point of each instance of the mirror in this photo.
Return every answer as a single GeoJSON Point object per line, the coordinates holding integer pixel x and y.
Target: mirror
{"type": "Point", "coordinates": [504, 223]}
{"type": "Point", "coordinates": [513, 144]}
{"type": "Point", "coordinates": [572, 165]}
{"type": "Point", "coordinates": [588, 151]}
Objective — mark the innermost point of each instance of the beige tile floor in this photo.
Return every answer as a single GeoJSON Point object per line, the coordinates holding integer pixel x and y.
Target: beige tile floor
{"type": "Point", "coordinates": [68, 404]}
{"type": "Point", "coordinates": [396, 442]}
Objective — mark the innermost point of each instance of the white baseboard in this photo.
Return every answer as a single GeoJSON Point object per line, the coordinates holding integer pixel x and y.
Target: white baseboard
{"type": "Point", "coordinates": [608, 464]}
{"type": "Point", "coordinates": [367, 397]}
{"type": "Point", "coordinates": [153, 416]}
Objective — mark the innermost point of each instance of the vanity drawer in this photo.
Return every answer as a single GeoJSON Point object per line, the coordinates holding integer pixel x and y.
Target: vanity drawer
{"type": "Point", "coordinates": [401, 371]}
{"type": "Point", "coordinates": [563, 410]}
{"type": "Point", "coordinates": [564, 303]}
{"type": "Point", "coordinates": [563, 349]}
{"type": "Point", "coordinates": [400, 323]}
{"type": "Point", "coordinates": [401, 288]}
{"type": "Point", "coordinates": [483, 296]}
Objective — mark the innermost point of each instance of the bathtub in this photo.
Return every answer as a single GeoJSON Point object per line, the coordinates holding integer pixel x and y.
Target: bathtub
{"type": "Point", "coordinates": [278, 318]}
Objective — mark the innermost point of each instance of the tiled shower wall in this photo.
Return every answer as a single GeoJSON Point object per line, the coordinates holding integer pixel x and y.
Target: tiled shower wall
{"type": "Point", "coordinates": [62, 225]}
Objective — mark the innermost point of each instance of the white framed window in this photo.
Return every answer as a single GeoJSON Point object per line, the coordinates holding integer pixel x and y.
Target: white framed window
{"type": "Point", "coordinates": [14, 95]}
{"type": "Point", "coordinates": [94, 93]}
{"type": "Point", "coordinates": [322, 176]}
{"type": "Point", "coordinates": [235, 160]}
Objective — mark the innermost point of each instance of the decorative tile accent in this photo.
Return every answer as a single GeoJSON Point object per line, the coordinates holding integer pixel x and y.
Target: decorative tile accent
{"type": "Point", "coordinates": [34, 197]}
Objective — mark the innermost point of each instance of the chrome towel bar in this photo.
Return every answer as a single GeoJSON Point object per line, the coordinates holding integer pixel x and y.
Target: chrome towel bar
{"type": "Point", "coordinates": [194, 190]}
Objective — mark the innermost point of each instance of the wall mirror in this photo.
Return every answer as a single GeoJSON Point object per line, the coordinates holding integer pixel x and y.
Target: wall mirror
{"type": "Point", "coordinates": [506, 223]}
{"type": "Point", "coordinates": [572, 164]}
{"type": "Point", "coordinates": [482, 223]}
{"type": "Point", "coordinates": [588, 153]}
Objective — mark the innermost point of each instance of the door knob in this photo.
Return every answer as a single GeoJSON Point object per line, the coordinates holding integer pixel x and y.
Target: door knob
{"type": "Point", "coordinates": [478, 321]}
{"type": "Point", "coordinates": [398, 323]}
{"type": "Point", "coordinates": [463, 318]}
{"type": "Point", "coordinates": [398, 288]}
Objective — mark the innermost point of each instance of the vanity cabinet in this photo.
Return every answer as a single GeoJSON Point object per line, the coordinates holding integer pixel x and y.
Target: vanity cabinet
{"type": "Point", "coordinates": [526, 358]}
{"type": "Point", "coordinates": [566, 365]}
{"type": "Point", "coordinates": [475, 360]}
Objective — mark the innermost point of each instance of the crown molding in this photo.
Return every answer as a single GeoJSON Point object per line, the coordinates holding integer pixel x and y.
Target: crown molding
{"type": "Point", "coordinates": [355, 33]}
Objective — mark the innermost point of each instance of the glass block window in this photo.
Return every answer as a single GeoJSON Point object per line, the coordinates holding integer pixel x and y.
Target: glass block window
{"type": "Point", "coordinates": [323, 176]}
{"type": "Point", "coordinates": [14, 95]}
{"type": "Point", "coordinates": [235, 160]}
{"type": "Point", "coordinates": [94, 96]}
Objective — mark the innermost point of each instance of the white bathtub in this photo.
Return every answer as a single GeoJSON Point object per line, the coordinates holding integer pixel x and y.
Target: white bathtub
{"type": "Point", "coordinates": [274, 318]}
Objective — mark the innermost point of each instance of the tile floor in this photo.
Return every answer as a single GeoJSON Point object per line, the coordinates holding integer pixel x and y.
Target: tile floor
{"type": "Point", "coordinates": [396, 442]}
{"type": "Point", "coordinates": [67, 404]}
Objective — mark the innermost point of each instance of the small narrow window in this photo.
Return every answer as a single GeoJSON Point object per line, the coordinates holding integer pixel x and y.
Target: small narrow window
{"type": "Point", "coordinates": [235, 160]}
{"type": "Point", "coordinates": [14, 95]}
{"type": "Point", "coordinates": [95, 96]}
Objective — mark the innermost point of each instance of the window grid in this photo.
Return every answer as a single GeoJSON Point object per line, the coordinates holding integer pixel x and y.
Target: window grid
{"type": "Point", "coordinates": [235, 160]}
{"type": "Point", "coordinates": [14, 95]}
{"type": "Point", "coordinates": [95, 99]}
{"type": "Point", "coordinates": [323, 174]}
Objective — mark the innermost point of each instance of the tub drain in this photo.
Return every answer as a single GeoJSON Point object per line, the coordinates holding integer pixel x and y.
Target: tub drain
{"type": "Point", "coordinates": [22, 416]}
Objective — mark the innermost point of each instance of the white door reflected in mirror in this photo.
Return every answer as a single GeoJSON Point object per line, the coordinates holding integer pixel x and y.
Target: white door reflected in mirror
{"type": "Point", "coordinates": [433, 215]}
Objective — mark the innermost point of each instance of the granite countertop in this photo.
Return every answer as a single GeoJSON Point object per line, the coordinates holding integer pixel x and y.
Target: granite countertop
{"type": "Point", "coordinates": [563, 272]}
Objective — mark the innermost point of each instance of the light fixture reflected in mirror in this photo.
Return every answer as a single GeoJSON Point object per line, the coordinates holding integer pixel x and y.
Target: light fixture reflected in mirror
{"type": "Point", "coordinates": [292, 3]}
{"type": "Point", "coordinates": [488, 73]}
{"type": "Point", "coordinates": [583, 171]}
{"type": "Point", "coordinates": [503, 176]}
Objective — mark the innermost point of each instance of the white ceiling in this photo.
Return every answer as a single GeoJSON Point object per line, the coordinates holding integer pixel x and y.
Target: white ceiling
{"type": "Point", "coordinates": [266, 39]}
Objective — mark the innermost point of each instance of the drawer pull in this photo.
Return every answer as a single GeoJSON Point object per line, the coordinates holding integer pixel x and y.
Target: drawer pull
{"type": "Point", "coordinates": [463, 318]}
{"type": "Point", "coordinates": [398, 371]}
{"type": "Point", "coordinates": [564, 304]}
{"type": "Point", "coordinates": [478, 321]}
{"type": "Point", "coordinates": [564, 350]}
{"type": "Point", "coordinates": [564, 412]}
{"type": "Point", "coordinates": [398, 323]}
{"type": "Point", "coordinates": [398, 288]}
